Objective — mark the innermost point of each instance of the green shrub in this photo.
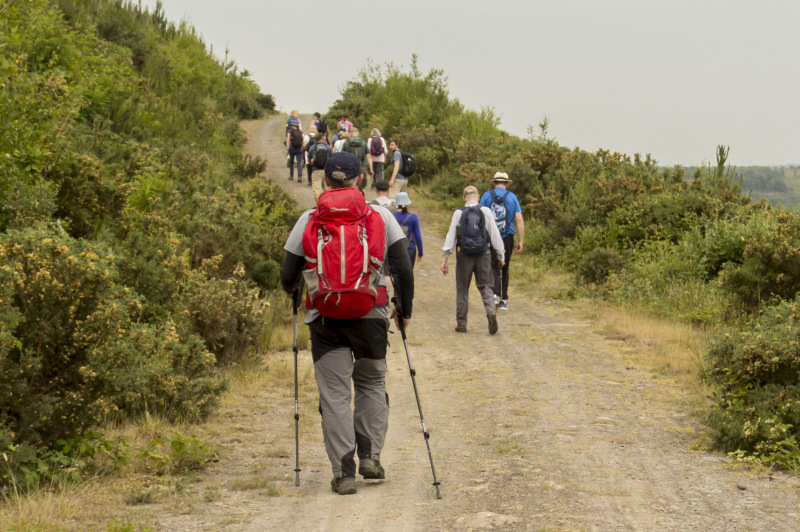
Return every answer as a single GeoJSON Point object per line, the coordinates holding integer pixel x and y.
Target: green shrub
{"type": "Point", "coordinates": [228, 314]}
{"type": "Point", "coordinates": [757, 397]}
{"type": "Point", "coordinates": [73, 351]}
{"type": "Point", "coordinates": [771, 265]}
{"type": "Point", "coordinates": [598, 264]}
{"type": "Point", "coordinates": [176, 454]}
{"type": "Point", "coordinates": [69, 460]}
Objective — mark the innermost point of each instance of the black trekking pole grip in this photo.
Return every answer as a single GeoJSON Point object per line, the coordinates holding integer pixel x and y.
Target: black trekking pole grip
{"type": "Point", "coordinates": [413, 373]}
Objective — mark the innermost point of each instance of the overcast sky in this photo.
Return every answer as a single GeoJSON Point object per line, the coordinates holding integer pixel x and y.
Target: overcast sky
{"type": "Point", "coordinates": [672, 78]}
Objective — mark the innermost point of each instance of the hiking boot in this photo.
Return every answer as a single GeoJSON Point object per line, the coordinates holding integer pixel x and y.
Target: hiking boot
{"type": "Point", "coordinates": [344, 485]}
{"type": "Point", "coordinates": [503, 305]}
{"type": "Point", "coordinates": [461, 328]}
{"type": "Point", "coordinates": [492, 323]}
{"type": "Point", "coordinates": [372, 469]}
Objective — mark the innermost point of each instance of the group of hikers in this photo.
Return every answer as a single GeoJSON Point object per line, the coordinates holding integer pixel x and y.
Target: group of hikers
{"type": "Point", "coordinates": [312, 149]}
{"type": "Point", "coordinates": [344, 249]}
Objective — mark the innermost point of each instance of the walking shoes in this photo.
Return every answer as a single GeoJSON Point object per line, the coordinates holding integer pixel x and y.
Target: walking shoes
{"type": "Point", "coordinates": [492, 323]}
{"type": "Point", "coordinates": [344, 485]}
{"type": "Point", "coordinates": [370, 469]}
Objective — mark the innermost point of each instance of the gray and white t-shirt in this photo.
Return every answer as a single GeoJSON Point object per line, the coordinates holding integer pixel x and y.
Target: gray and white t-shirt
{"type": "Point", "coordinates": [294, 245]}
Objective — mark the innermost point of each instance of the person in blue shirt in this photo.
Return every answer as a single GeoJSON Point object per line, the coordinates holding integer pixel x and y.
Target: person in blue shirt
{"type": "Point", "coordinates": [409, 223]}
{"type": "Point", "coordinates": [398, 182]}
{"type": "Point", "coordinates": [507, 212]}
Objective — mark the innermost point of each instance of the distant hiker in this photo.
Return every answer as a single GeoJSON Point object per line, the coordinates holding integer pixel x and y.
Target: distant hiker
{"type": "Point", "coordinates": [318, 156]}
{"type": "Point", "coordinates": [382, 194]}
{"type": "Point", "coordinates": [346, 345]}
{"type": "Point", "coordinates": [345, 121]}
{"type": "Point", "coordinates": [409, 223]}
{"type": "Point", "coordinates": [294, 118]}
{"type": "Point", "coordinates": [294, 148]}
{"type": "Point", "coordinates": [506, 209]}
{"type": "Point", "coordinates": [376, 155]}
{"type": "Point", "coordinates": [358, 147]}
{"type": "Point", "coordinates": [338, 135]}
{"type": "Point", "coordinates": [308, 141]}
{"type": "Point", "coordinates": [398, 182]}
{"type": "Point", "coordinates": [473, 230]}
{"type": "Point", "coordinates": [322, 125]}
{"type": "Point", "coordinates": [339, 145]}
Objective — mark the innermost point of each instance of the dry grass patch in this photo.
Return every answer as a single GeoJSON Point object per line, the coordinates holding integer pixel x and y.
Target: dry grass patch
{"type": "Point", "coordinates": [655, 344]}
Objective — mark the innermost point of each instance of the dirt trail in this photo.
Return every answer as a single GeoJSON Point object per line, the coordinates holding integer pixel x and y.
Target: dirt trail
{"type": "Point", "coordinates": [539, 427]}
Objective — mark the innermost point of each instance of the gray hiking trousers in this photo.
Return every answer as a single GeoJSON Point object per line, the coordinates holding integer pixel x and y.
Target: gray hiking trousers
{"type": "Point", "coordinates": [345, 429]}
{"type": "Point", "coordinates": [466, 266]}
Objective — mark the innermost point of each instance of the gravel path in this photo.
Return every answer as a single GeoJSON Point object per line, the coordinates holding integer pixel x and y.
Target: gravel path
{"type": "Point", "coordinates": [541, 427]}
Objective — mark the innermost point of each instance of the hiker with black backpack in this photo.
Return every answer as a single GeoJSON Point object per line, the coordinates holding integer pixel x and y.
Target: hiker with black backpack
{"type": "Point", "coordinates": [473, 232]}
{"type": "Point", "coordinates": [294, 148]}
{"type": "Point", "coordinates": [358, 147]}
{"type": "Point", "coordinates": [402, 167]}
{"type": "Point", "coordinates": [376, 155]}
{"type": "Point", "coordinates": [308, 142]}
{"type": "Point", "coordinates": [318, 155]}
{"type": "Point", "coordinates": [507, 211]}
{"type": "Point", "coordinates": [341, 249]}
{"type": "Point", "coordinates": [321, 124]}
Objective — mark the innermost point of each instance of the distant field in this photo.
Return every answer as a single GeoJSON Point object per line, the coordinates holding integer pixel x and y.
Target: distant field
{"type": "Point", "coordinates": [779, 185]}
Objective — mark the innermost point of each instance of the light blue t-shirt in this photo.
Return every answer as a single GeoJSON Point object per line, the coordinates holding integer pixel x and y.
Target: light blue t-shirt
{"type": "Point", "coordinates": [397, 156]}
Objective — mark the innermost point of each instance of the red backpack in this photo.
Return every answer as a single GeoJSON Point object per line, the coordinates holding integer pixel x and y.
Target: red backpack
{"type": "Point", "coordinates": [344, 243]}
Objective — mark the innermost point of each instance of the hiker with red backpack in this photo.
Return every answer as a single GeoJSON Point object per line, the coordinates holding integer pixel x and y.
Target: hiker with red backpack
{"type": "Point", "coordinates": [341, 249]}
{"type": "Point", "coordinates": [507, 211]}
{"type": "Point", "coordinates": [294, 148]}
{"type": "Point", "coordinates": [473, 232]}
{"type": "Point", "coordinates": [376, 155]}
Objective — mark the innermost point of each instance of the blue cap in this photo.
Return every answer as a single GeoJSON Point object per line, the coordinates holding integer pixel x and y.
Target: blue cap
{"type": "Point", "coordinates": [342, 166]}
{"type": "Point", "coordinates": [293, 121]}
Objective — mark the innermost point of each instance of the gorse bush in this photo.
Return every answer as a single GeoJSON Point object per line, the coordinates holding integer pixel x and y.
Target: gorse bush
{"type": "Point", "coordinates": [137, 244]}
{"type": "Point", "coordinates": [770, 264]}
{"type": "Point", "coordinates": [757, 375]}
{"type": "Point", "coordinates": [75, 353]}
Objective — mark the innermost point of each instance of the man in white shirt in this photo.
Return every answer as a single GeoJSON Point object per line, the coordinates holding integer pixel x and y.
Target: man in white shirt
{"type": "Point", "coordinates": [474, 236]}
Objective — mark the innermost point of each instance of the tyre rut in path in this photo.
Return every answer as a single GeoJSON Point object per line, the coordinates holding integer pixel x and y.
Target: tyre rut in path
{"type": "Point", "coordinates": [539, 427]}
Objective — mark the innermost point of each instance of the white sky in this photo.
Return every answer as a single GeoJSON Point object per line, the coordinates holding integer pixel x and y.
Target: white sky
{"type": "Point", "coordinates": [672, 78]}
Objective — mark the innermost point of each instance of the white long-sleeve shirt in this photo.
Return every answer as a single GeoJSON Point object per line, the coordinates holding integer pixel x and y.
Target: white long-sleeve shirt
{"type": "Point", "coordinates": [491, 227]}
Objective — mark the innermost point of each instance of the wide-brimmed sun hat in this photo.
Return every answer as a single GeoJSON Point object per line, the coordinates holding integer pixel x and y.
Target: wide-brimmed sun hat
{"type": "Point", "coordinates": [402, 199]}
{"type": "Point", "coordinates": [501, 177]}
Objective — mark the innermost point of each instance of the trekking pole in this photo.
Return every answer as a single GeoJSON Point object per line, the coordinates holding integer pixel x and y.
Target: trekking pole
{"type": "Point", "coordinates": [402, 327]}
{"type": "Point", "coordinates": [296, 303]}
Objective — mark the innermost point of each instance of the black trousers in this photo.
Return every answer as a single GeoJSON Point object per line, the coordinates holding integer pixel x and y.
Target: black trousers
{"type": "Point", "coordinates": [501, 274]}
